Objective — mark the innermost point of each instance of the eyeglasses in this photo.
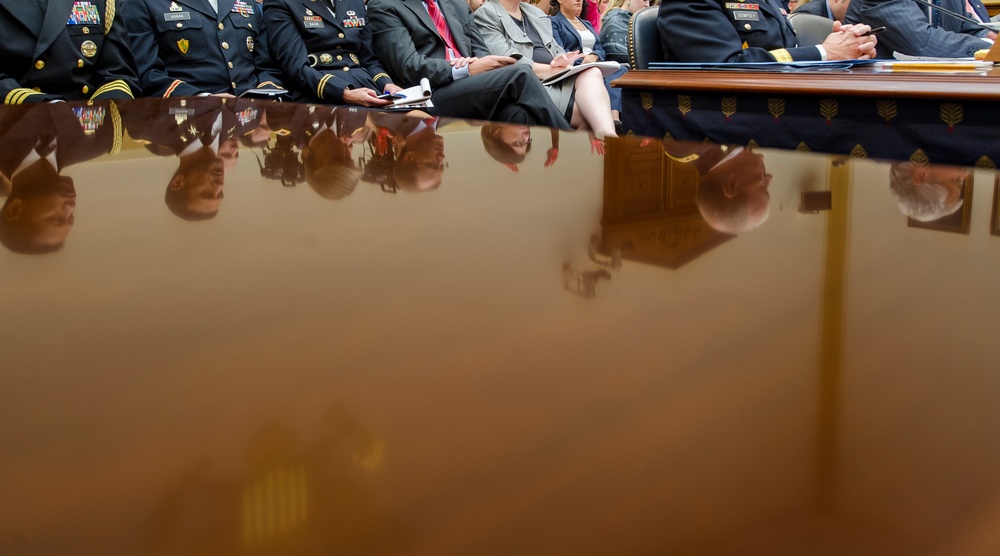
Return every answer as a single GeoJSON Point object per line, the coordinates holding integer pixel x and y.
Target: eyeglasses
{"type": "Point", "coordinates": [524, 143]}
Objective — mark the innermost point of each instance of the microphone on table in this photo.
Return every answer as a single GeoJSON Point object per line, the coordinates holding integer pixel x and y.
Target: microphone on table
{"type": "Point", "coordinates": [995, 27]}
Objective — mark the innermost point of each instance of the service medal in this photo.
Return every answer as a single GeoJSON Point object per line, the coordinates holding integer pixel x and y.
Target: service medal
{"type": "Point", "coordinates": [354, 58]}
{"type": "Point", "coordinates": [89, 49]}
{"type": "Point", "coordinates": [325, 58]}
{"type": "Point", "coordinates": [175, 8]}
{"type": "Point", "coordinates": [250, 44]}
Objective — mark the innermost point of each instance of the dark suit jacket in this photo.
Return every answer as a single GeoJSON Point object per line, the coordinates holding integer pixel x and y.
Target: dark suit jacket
{"type": "Point", "coordinates": [715, 30]}
{"type": "Point", "coordinates": [320, 58]}
{"type": "Point", "coordinates": [569, 38]}
{"type": "Point", "coordinates": [64, 58]}
{"type": "Point", "coordinates": [908, 31]}
{"type": "Point", "coordinates": [815, 7]}
{"type": "Point", "coordinates": [184, 48]}
{"type": "Point", "coordinates": [408, 44]}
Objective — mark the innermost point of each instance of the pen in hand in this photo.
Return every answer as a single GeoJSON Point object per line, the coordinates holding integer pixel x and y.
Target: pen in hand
{"type": "Point", "coordinates": [875, 31]}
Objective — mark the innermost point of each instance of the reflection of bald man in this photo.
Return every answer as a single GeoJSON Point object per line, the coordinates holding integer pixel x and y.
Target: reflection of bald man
{"type": "Point", "coordinates": [732, 193]}
{"type": "Point", "coordinates": [927, 192]}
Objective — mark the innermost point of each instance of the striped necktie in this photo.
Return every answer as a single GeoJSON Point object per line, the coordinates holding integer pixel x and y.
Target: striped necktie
{"type": "Point", "coordinates": [451, 51]}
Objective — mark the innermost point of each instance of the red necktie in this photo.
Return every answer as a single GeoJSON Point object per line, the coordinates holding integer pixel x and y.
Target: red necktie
{"type": "Point", "coordinates": [438, 18]}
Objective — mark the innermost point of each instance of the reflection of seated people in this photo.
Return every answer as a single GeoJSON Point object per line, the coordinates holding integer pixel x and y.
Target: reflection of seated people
{"type": "Point", "coordinates": [419, 160]}
{"type": "Point", "coordinates": [37, 142]}
{"type": "Point", "coordinates": [509, 144]}
{"type": "Point", "coordinates": [927, 192]}
{"type": "Point", "coordinates": [204, 134]}
{"type": "Point", "coordinates": [732, 193]}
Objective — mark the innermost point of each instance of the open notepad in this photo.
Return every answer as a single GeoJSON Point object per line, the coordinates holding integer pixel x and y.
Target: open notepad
{"type": "Point", "coordinates": [417, 96]}
{"type": "Point", "coordinates": [607, 68]}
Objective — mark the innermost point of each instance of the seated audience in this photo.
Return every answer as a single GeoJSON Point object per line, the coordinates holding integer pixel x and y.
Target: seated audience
{"type": "Point", "coordinates": [615, 25]}
{"type": "Point", "coordinates": [576, 35]}
{"type": "Point", "coordinates": [920, 30]}
{"type": "Point", "coordinates": [721, 31]}
{"type": "Point", "coordinates": [64, 51]}
{"type": "Point", "coordinates": [199, 47]}
{"type": "Point", "coordinates": [325, 53]}
{"type": "Point", "coordinates": [437, 40]}
{"type": "Point", "coordinates": [510, 27]}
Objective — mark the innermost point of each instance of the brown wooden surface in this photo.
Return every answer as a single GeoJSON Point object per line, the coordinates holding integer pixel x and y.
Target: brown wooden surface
{"type": "Point", "coordinates": [992, 6]}
{"type": "Point", "coordinates": [858, 83]}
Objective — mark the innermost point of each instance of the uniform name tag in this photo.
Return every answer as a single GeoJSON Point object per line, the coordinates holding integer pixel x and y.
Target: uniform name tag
{"type": "Point", "coordinates": [746, 16]}
{"type": "Point", "coordinates": [740, 6]}
{"type": "Point", "coordinates": [176, 16]}
{"type": "Point", "coordinates": [312, 22]}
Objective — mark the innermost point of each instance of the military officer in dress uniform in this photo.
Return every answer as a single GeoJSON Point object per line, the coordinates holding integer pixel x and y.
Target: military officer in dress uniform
{"type": "Point", "coordinates": [724, 31]}
{"type": "Point", "coordinates": [193, 47]}
{"type": "Point", "coordinates": [64, 50]}
{"type": "Point", "coordinates": [324, 50]}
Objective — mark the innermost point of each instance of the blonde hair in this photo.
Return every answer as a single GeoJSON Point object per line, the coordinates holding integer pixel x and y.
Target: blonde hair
{"type": "Point", "coordinates": [612, 4]}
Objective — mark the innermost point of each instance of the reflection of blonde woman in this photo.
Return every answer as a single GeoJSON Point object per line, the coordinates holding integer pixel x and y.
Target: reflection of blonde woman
{"type": "Point", "coordinates": [614, 27]}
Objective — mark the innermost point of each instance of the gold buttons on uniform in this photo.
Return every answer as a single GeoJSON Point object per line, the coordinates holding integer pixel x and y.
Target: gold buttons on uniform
{"type": "Point", "coordinates": [221, 27]}
{"type": "Point", "coordinates": [233, 84]}
{"type": "Point", "coordinates": [341, 35]}
{"type": "Point", "coordinates": [180, 25]}
{"type": "Point", "coordinates": [225, 45]}
{"type": "Point", "coordinates": [86, 30]}
{"type": "Point", "coordinates": [250, 25]}
{"type": "Point", "coordinates": [79, 63]}
{"type": "Point", "coordinates": [39, 65]}
{"type": "Point", "coordinates": [347, 68]}
{"type": "Point", "coordinates": [36, 89]}
{"type": "Point", "coordinates": [339, 57]}
{"type": "Point", "coordinates": [230, 65]}
{"type": "Point", "coordinates": [746, 26]}
{"type": "Point", "coordinates": [85, 89]}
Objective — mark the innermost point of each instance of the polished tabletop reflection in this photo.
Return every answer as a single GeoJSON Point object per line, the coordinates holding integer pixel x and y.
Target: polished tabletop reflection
{"type": "Point", "coordinates": [235, 327]}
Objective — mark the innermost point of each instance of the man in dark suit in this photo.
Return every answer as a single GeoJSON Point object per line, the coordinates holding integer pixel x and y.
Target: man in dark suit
{"type": "Point", "coordinates": [466, 81]}
{"type": "Point", "coordinates": [721, 31]}
{"type": "Point", "coordinates": [192, 47]}
{"type": "Point", "coordinates": [64, 50]}
{"type": "Point", "coordinates": [919, 30]}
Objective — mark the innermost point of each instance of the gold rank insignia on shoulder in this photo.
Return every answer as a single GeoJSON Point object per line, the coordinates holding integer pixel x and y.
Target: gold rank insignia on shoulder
{"type": "Point", "coordinates": [88, 49]}
{"type": "Point", "coordinates": [250, 44]}
{"type": "Point", "coordinates": [183, 45]}
{"type": "Point", "coordinates": [175, 8]}
{"type": "Point", "coordinates": [354, 58]}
